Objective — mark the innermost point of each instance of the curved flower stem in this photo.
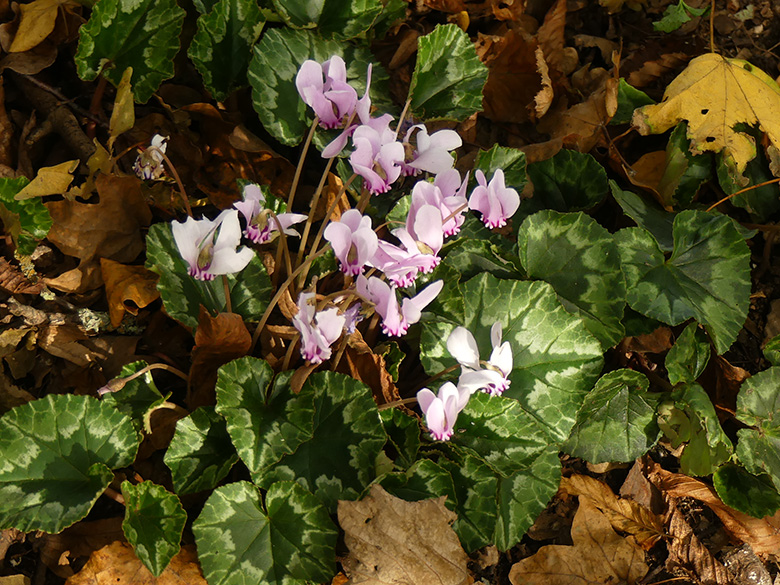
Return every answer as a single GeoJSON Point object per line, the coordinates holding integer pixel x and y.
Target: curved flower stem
{"type": "Point", "coordinates": [339, 353]}
{"type": "Point", "coordinates": [312, 208]}
{"type": "Point", "coordinates": [403, 116]}
{"type": "Point", "coordinates": [746, 189]}
{"type": "Point", "coordinates": [281, 249]}
{"type": "Point", "coordinates": [280, 292]}
{"type": "Point", "coordinates": [299, 168]}
{"type": "Point", "coordinates": [365, 196]}
{"type": "Point", "coordinates": [226, 285]}
{"type": "Point", "coordinates": [119, 383]}
{"type": "Point", "coordinates": [182, 190]}
{"type": "Point", "coordinates": [289, 352]}
{"type": "Point", "coordinates": [435, 377]}
{"type": "Point", "coordinates": [395, 403]}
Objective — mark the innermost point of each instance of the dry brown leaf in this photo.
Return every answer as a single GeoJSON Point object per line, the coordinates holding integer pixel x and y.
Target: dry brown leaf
{"type": "Point", "coordinates": [393, 542]}
{"type": "Point", "coordinates": [80, 540]}
{"type": "Point", "coordinates": [117, 563]}
{"type": "Point", "coordinates": [660, 340]}
{"type": "Point", "coordinates": [763, 537]}
{"type": "Point", "coordinates": [364, 365]}
{"type": "Point", "coordinates": [598, 555]}
{"type": "Point", "coordinates": [110, 228]}
{"type": "Point", "coordinates": [653, 69]}
{"type": "Point", "coordinates": [647, 173]}
{"type": "Point", "coordinates": [686, 552]}
{"type": "Point", "coordinates": [552, 41]}
{"type": "Point", "coordinates": [218, 340]}
{"type": "Point", "coordinates": [624, 515]}
{"type": "Point", "coordinates": [637, 487]}
{"type": "Point", "coordinates": [13, 280]}
{"type": "Point", "coordinates": [616, 5]}
{"type": "Point", "coordinates": [37, 21]}
{"type": "Point", "coordinates": [128, 288]}
{"type": "Point", "coordinates": [49, 181]}
{"type": "Point", "coordinates": [544, 98]}
{"type": "Point", "coordinates": [6, 133]}
{"type": "Point", "coordinates": [15, 580]}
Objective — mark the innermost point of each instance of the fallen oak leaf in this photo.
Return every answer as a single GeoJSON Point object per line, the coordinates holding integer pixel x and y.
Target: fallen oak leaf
{"type": "Point", "coordinates": [598, 555]}
{"type": "Point", "coordinates": [714, 94]}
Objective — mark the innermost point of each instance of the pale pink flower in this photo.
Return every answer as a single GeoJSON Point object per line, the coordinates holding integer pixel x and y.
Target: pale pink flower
{"type": "Point", "coordinates": [378, 156]}
{"type": "Point", "coordinates": [442, 411]}
{"type": "Point", "coordinates": [432, 153]}
{"type": "Point", "coordinates": [396, 318]}
{"type": "Point", "coordinates": [209, 246]}
{"type": "Point", "coordinates": [491, 376]}
{"type": "Point", "coordinates": [353, 241]}
{"type": "Point", "coordinates": [325, 89]}
{"type": "Point", "coordinates": [318, 329]}
{"type": "Point", "coordinates": [260, 225]}
{"type": "Point", "coordinates": [495, 201]}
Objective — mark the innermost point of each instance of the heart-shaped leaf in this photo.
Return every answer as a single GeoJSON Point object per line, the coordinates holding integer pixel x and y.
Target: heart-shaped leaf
{"type": "Point", "coordinates": [332, 18]}
{"type": "Point", "coordinates": [26, 221]}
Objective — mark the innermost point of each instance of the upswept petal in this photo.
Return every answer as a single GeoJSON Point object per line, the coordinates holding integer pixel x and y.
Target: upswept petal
{"type": "Point", "coordinates": [463, 347]}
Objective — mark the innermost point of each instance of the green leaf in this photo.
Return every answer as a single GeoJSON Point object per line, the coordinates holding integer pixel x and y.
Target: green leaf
{"type": "Point", "coordinates": [707, 276]}
{"type": "Point", "coordinates": [569, 181]}
{"type": "Point", "coordinates": [326, 437]}
{"type": "Point", "coordinates": [688, 356]}
{"type": "Point", "coordinates": [522, 497]}
{"type": "Point", "coordinates": [689, 416]}
{"type": "Point", "coordinates": [758, 403]}
{"type": "Point", "coordinates": [335, 19]}
{"type": "Point", "coordinates": [510, 160]}
{"type": "Point", "coordinates": [580, 260]}
{"type": "Point", "coordinates": [616, 421]}
{"type": "Point", "coordinates": [26, 221]}
{"type": "Point", "coordinates": [448, 77]}
{"type": "Point", "coordinates": [200, 454]}
{"type": "Point", "coordinates": [629, 98]}
{"type": "Point", "coordinates": [658, 222]}
{"type": "Point", "coordinates": [138, 397]}
{"type": "Point", "coordinates": [556, 360]}
{"type": "Point", "coordinates": [142, 34]}
{"type": "Point", "coordinates": [751, 494]}
{"type": "Point", "coordinates": [277, 58]}
{"type": "Point", "coordinates": [677, 15]}
{"type": "Point", "coordinates": [58, 453]}
{"type": "Point", "coordinates": [772, 350]}
{"type": "Point", "coordinates": [473, 256]}
{"type": "Point", "coordinates": [288, 541]}
{"type": "Point", "coordinates": [762, 203]}
{"type": "Point", "coordinates": [153, 524]}
{"type": "Point", "coordinates": [423, 480]}
{"type": "Point", "coordinates": [403, 434]}
{"type": "Point", "coordinates": [684, 172]}
{"type": "Point", "coordinates": [449, 302]}
{"type": "Point", "coordinates": [222, 45]}
{"type": "Point", "coordinates": [250, 289]}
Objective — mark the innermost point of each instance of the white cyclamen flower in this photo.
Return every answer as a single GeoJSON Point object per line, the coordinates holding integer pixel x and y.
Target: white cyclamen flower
{"type": "Point", "coordinates": [491, 376]}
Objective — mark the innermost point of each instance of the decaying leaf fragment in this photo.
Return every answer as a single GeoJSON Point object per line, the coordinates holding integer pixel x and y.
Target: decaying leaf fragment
{"type": "Point", "coordinates": [393, 542]}
{"type": "Point", "coordinates": [714, 94]}
{"type": "Point", "coordinates": [599, 555]}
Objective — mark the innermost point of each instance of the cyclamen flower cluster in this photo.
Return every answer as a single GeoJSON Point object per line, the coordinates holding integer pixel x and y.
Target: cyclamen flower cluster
{"type": "Point", "coordinates": [491, 377]}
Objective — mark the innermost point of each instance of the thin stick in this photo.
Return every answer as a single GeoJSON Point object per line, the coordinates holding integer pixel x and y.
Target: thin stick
{"type": "Point", "coordinates": [182, 191]}
{"type": "Point", "coordinates": [712, 26]}
{"type": "Point", "coordinates": [394, 403]}
{"type": "Point", "coordinates": [288, 353]}
{"type": "Point", "coordinates": [403, 115]}
{"type": "Point", "coordinates": [228, 304]}
{"type": "Point", "coordinates": [745, 190]}
{"type": "Point", "coordinates": [281, 250]}
{"type": "Point", "coordinates": [312, 208]}
{"type": "Point", "coordinates": [339, 353]}
{"type": "Point", "coordinates": [299, 168]}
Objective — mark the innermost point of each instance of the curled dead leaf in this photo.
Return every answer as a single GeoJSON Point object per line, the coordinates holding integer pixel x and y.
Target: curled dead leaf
{"type": "Point", "coordinates": [128, 288]}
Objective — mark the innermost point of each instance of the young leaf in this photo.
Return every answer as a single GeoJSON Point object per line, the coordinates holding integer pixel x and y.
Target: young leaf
{"type": "Point", "coordinates": [27, 221]}
{"type": "Point", "coordinates": [616, 421]}
{"type": "Point", "coordinates": [153, 524]}
{"type": "Point", "coordinates": [689, 355]}
{"type": "Point", "coordinates": [629, 98]}
{"type": "Point", "coordinates": [684, 172]}
{"type": "Point", "coordinates": [142, 34]}
{"type": "Point", "coordinates": [569, 181]}
{"type": "Point", "coordinates": [707, 276]}
{"type": "Point", "coordinates": [332, 18]}
{"type": "Point", "coordinates": [290, 540]}
{"type": "Point", "coordinates": [222, 45]}
{"type": "Point", "coordinates": [182, 295]}
{"type": "Point", "coordinates": [448, 77]}
{"type": "Point", "coordinates": [714, 94]}
{"type": "Point", "coordinates": [677, 15]}
{"type": "Point", "coordinates": [58, 453]}
{"type": "Point", "coordinates": [277, 58]}
{"type": "Point", "coordinates": [758, 403]}
{"type": "Point", "coordinates": [647, 215]}
{"type": "Point", "coordinates": [200, 454]}
{"type": "Point", "coordinates": [752, 494]}
{"type": "Point", "coordinates": [556, 360]}
{"type": "Point", "coordinates": [580, 260]}
{"type": "Point", "coordinates": [509, 160]}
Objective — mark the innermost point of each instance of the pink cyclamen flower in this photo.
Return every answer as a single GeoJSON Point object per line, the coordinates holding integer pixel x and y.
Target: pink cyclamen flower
{"type": "Point", "coordinates": [433, 152]}
{"type": "Point", "coordinates": [209, 246]}
{"type": "Point", "coordinates": [363, 111]}
{"type": "Point", "coordinates": [396, 318]}
{"type": "Point", "coordinates": [450, 208]}
{"type": "Point", "coordinates": [353, 241]}
{"type": "Point", "coordinates": [495, 201]}
{"type": "Point", "coordinates": [378, 156]}
{"type": "Point", "coordinates": [325, 89]}
{"type": "Point", "coordinates": [442, 411]}
{"type": "Point", "coordinates": [149, 164]}
{"type": "Point", "coordinates": [491, 376]}
{"type": "Point", "coordinates": [260, 225]}
{"type": "Point", "coordinates": [318, 329]}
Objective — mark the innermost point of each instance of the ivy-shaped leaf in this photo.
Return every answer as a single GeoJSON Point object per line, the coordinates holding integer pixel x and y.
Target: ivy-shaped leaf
{"type": "Point", "coordinates": [556, 360]}
{"type": "Point", "coordinates": [26, 221]}
{"type": "Point", "coordinates": [287, 540]}
{"type": "Point", "coordinates": [448, 77]}
{"type": "Point", "coordinates": [616, 421]}
{"type": "Point", "coordinates": [58, 453]}
{"type": "Point", "coordinates": [580, 260]}
{"type": "Point", "coordinates": [337, 19]}
{"type": "Point", "coordinates": [182, 295]}
{"type": "Point", "coordinates": [707, 276]}
{"type": "Point", "coordinates": [153, 524]}
{"type": "Point", "coordinates": [403, 433]}
{"type": "Point", "coordinates": [688, 356]}
{"type": "Point", "coordinates": [142, 34]}
{"type": "Point", "coordinates": [647, 215]}
{"type": "Point", "coordinates": [200, 454]}
{"type": "Point", "coordinates": [222, 45]}
{"type": "Point", "coordinates": [752, 494]}
{"type": "Point", "coordinates": [509, 160]}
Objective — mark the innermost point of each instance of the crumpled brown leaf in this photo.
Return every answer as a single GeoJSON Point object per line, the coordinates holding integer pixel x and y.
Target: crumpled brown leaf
{"type": "Point", "coordinates": [361, 363]}
{"type": "Point", "coordinates": [110, 228]}
{"type": "Point", "coordinates": [117, 563]}
{"type": "Point", "coordinates": [128, 288]}
{"type": "Point", "coordinates": [80, 540]}
{"type": "Point", "coordinates": [393, 542]}
{"type": "Point", "coordinates": [598, 555]}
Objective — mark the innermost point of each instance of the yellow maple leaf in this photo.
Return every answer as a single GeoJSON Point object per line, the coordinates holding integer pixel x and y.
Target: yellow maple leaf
{"type": "Point", "coordinates": [714, 94]}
